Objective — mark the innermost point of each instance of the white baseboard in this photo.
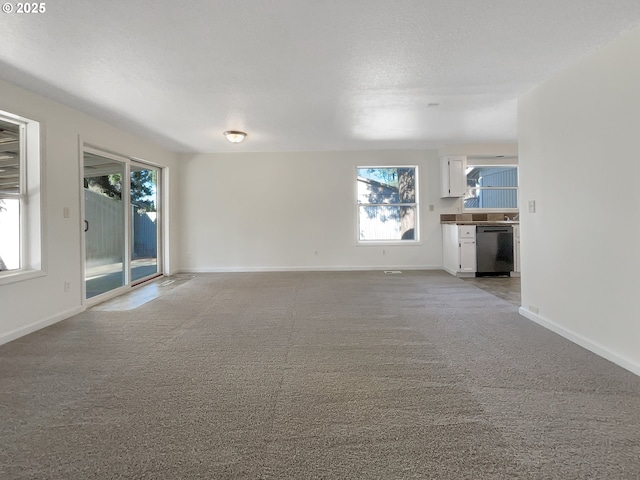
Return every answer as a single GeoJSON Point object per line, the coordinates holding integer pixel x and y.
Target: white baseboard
{"type": "Point", "coordinates": [308, 269]}
{"type": "Point", "coordinates": [27, 329]}
{"type": "Point", "coordinates": [590, 345]}
{"type": "Point", "coordinates": [450, 271]}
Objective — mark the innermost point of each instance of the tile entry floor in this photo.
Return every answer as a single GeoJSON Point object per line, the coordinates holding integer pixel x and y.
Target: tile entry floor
{"type": "Point", "coordinates": [142, 294]}
{"type": "Point", "coordinates": [506, 288]}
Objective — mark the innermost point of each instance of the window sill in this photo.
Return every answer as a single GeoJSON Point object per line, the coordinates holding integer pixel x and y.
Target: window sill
{"type": "Point", "coordinates": [19, 276]}
{"type": "Point", "coordinates": [395, 243]}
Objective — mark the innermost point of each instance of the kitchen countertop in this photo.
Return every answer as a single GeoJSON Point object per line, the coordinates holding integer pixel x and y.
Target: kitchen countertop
{"type": "Point", "coordinates": [488, 218]}
{"type": "Point", "coordinates": [481, 222]}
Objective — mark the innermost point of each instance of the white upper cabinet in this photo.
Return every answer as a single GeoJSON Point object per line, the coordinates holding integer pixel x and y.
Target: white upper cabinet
{"type": "Point", "coordinates": [453, 177]}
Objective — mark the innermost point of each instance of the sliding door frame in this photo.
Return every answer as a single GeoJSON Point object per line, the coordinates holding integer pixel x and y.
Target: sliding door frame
{"type": "Point", "coordinates": [126, 195]}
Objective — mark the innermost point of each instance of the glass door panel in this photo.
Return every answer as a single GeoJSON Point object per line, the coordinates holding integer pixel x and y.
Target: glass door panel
{"type": "Point", "coordinates": [104, 224]}
{"type": "Point", "coordinates": [144, 221]}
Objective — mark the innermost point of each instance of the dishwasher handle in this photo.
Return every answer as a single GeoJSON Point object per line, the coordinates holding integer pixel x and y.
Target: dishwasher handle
{"type": "Point", "coordinates": [495, 229]}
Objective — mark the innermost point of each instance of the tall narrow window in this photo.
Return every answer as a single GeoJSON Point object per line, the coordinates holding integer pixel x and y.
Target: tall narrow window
{"type": "Point", "coordinates": [10, 196]}
{"type": "Point", "coordinates": [19, 196]}
{"type": "Point", "coordinates": [387, 204]}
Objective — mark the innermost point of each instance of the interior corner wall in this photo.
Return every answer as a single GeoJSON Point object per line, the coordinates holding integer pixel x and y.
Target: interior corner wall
{"type": "Point", "coordinates": [579, 144]}
{"type": "Point", "coordinates": [32, 304]}
{"type": "Point", "coordinates": [296, 211]}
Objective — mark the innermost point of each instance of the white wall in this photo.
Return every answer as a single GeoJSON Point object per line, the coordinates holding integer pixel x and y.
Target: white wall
{"type": "Point", "coordinates": [31, 304]}
{"type": "Point", "coordinates": [486, 150]}
{"type": "Point", "coordinates": [271, 211]}
{"type": "Point", "coordinates": [579, 151]}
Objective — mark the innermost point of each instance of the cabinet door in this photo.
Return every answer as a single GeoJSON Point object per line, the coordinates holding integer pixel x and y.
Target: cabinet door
{"type": "Point", "coordinates": [468, 255]}
{"type": "Point", "coordinates": [457, 176]}
{"type": "Point", "coordinates": [453, 177]}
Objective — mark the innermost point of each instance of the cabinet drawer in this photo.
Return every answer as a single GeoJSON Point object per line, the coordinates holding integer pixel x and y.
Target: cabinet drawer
{"type": "Point", "coordinates": [467, 231]}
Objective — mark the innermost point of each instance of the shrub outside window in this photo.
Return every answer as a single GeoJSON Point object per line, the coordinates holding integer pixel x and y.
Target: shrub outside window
{"type": "Point", "coordinates": [387, 204]}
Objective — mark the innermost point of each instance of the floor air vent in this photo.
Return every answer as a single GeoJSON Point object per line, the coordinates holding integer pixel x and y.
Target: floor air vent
{"type": "Point", "coordinates": [392, 272]}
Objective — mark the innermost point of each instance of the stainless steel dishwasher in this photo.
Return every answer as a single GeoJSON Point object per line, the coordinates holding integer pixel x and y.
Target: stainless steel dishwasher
{"type": "Point", "coordinates": [494, 250]}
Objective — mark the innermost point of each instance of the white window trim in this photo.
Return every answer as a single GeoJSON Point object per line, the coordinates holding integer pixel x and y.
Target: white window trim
{"type": "Point", "coordinates": [31, 196]}
{"type": "Point", "coordinates": [376, 243]}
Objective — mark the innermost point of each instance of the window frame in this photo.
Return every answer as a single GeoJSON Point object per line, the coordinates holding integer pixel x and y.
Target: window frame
{"type": "Point", "coordinates": [497, 209]}
{"type": "Point", "coordinates": [30, 199]}
{"type": "Point", "coordinates": [416, 205]}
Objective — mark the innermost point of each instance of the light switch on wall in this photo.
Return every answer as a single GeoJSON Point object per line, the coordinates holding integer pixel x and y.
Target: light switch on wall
{"type": "Point", "coordinates": [66, 213]}
{"type": "Point", "coordinates": [532, 206]}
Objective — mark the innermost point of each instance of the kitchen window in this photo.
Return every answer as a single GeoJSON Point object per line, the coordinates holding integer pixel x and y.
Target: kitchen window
{"type": "Point", "coordinates": [20, 223]}
{"type": "Point", "coordinates": [491, 187]}
{"type": "Point", "coordinates": [387, 204]}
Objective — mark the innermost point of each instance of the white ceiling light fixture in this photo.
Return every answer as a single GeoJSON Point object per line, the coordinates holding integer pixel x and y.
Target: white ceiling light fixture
{"type": "Point", "coordinates": [235, 136]}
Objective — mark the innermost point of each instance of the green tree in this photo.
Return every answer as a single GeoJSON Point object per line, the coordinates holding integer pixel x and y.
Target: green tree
{"type": "Point", "coordinates": [407, 194]}
{"type": "Point", "coordinates": [141, 187]}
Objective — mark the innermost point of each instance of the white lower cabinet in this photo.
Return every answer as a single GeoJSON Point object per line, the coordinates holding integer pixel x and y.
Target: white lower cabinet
{"type": "Point", "coordinates": [467, 255]}
{"type": "Point", "coordinates": [459, 249]}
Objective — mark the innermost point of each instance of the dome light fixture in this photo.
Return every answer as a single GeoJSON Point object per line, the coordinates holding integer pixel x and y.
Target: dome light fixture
{"type": "Point", "coordinates": [235, 136]}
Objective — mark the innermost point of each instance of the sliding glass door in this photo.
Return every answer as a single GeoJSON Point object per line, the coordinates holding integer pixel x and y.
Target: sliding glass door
{"type": "Point", "coordinates": [144, 222]}
{"type": "Point", "coordinates": [121, 223]}
{"type": "Point", "coordinates": [104, 224]}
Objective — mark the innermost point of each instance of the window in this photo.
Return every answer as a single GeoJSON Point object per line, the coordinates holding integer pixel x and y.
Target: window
{"type": "Point", "coordinates": [20, 243]}
{"type": "Point", "coordinates": [491, 187]}
{"type": "Point", "coordinates": [387, 204]}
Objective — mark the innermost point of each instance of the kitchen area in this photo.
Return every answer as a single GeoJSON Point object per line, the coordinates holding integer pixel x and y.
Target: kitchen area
{"type": "Point", "coordinates": [477, 245]}
{"type": "Point", "coordinates": [481, 244]}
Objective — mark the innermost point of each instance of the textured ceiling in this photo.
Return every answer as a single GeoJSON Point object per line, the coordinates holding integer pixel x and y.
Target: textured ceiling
{"type": "Point", "coordinates": [303, 74]}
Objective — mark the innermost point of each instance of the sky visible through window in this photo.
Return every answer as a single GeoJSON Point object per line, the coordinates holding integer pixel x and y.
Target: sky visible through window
{"type": "Point", "coordinates": [387, 176]}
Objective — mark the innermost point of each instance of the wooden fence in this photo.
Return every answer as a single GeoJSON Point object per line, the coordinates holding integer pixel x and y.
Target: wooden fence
{"type": "Point", "coordinates": [104, 239]}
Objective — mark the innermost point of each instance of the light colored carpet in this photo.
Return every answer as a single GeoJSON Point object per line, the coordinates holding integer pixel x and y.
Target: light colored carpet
{"type": "Point", "coordinates": [314, 375]}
